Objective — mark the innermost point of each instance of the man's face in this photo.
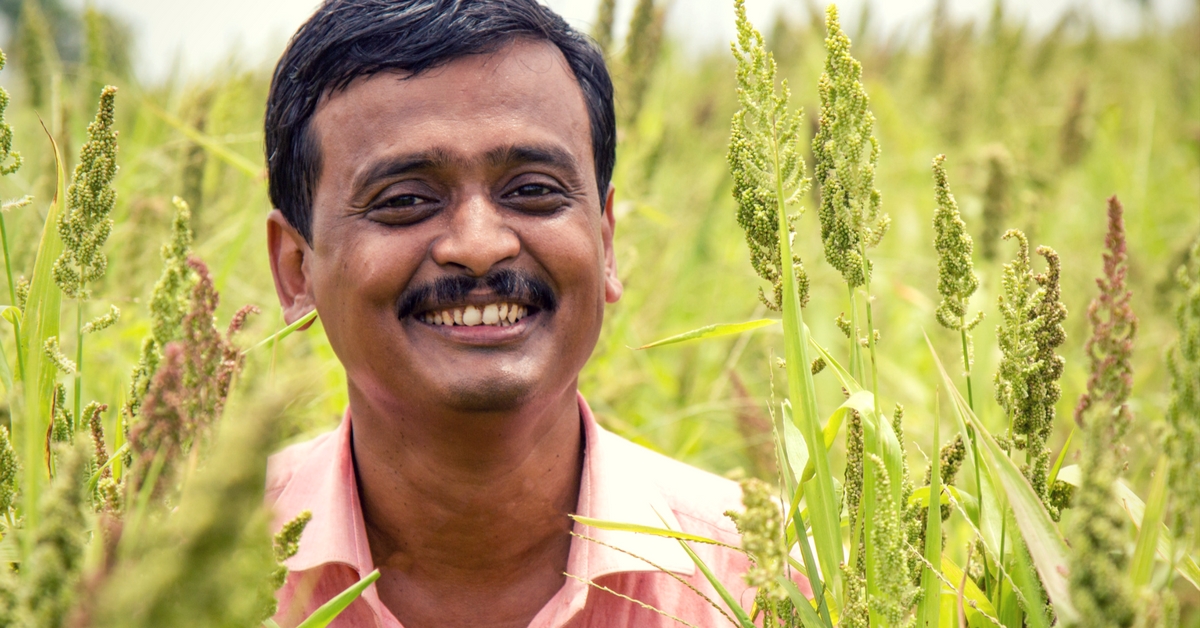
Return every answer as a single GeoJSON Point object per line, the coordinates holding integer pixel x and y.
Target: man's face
{"type": "Point", "coordinates": [460, 257]}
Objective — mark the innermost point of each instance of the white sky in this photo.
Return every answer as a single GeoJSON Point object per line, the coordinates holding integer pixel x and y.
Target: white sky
{"type": "Point", "coordinates": [192, 36]}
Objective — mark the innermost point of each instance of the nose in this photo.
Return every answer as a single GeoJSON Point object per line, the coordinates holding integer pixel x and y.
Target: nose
{"type": "Point", "coordinates": [477, 237]}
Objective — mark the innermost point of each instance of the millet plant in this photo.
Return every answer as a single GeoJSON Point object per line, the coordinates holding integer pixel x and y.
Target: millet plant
{"type": "Point", "coordinates": [873, 547]}
{"type": "Point", "coordinates": [159, 522]}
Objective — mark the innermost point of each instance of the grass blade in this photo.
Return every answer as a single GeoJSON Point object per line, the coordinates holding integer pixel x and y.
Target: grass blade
{"type": "Point", "coordinates": [41, 321]}
{"type": "Point", "coordinates": [285, 332]}
{"type": "Point", "coordinates": [1147, 541]}
{"type": "Point", "coordinates": [601, 524]}
{"type": "Point", "coordinates": [218, 150]}
{"type": "Point", "coordinates": [331, 609]}
{"type": "Point", "coordinates": [712, 331]}
{"type": "Point", "coordinates": [808, 616]}
{"type": "Point", "coordinates": [733, 605]}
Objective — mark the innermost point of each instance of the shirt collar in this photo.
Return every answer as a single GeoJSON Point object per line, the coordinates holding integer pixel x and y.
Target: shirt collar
{"type": "Point", "coordinates": [319, 477]}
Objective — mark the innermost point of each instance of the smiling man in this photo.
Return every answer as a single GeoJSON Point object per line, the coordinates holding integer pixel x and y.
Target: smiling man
{"type": "Point", "coordinates": [440, 171]}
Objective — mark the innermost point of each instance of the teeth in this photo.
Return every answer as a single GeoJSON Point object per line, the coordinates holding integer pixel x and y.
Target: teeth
{"type": "Point", "coordinates": [495, 314]}
{"type": "Point", "coordinates": [491, 314]}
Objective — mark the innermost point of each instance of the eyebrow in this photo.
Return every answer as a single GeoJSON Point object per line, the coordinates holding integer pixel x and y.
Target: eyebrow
{"type": "Point", "coordinates": [532, 154]}
{"type": "Point", "coordinates": [438, 158]}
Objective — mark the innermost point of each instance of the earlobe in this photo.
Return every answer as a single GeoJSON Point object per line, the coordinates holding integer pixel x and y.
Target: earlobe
{"type": "Point", "coordinates": [612, 283]}
{"type": "Point", "coordinates": [289, 254]}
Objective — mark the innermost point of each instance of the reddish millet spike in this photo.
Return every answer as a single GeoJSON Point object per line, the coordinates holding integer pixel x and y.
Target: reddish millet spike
{"type": "Point", "coordinates": [1114, 327]}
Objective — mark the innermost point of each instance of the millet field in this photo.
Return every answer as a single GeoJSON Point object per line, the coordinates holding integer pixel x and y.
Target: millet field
{"type": "Point", "coordinates": [994, 237]}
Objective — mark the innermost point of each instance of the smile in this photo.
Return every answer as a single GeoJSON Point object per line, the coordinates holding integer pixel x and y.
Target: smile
{"type": "Point", "coordinates": [491, 314]}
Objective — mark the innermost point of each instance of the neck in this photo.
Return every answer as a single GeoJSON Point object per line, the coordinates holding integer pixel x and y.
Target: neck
{"type": "Point", "coordinates": [468, 511]}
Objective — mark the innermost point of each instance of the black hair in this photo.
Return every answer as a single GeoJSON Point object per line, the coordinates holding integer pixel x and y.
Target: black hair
{"type": "Point", "coordinates": [348, 39]}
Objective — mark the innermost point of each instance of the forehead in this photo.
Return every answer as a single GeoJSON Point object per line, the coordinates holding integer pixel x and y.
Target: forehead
{"type": "Point", "coordinates": [524, 92]}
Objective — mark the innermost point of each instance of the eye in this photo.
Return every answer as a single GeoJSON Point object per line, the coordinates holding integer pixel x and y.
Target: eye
{"type": "Point", "coordinates": [533, 189]}
{"type": "Point", "coordinates": [401, 209]}
{"type": "Point", "coordinates": [536, 197]}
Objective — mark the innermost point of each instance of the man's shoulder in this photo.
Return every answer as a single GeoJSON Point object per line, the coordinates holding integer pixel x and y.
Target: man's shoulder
{"type": "Point", "coordinates": [698, 498]}
{"type": "Point", "coordinates": [283, 465]}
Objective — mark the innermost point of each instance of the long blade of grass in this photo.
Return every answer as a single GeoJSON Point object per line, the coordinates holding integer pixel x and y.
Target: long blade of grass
{"type": "Point", "coordinates": [815, 580]}
{"type": "Point", "coordinates": [930, 605]}
{"type": "Point", "coordinates": [1143, 554]}
{"type": "Point", "coordinates": [331, 609]}
{"type": "Point", "coordinates": [41, 321]}
{"type": "Point", "coordinates": [618, 526]}
{"type": "Point", "coordinates": [285, 332]}
{"type": "Point", "coordinates": [251, 169]}
{"type": "Point", "coordinates": [1047, 548]}
{"type": "Point", "coordinates": [728, 598]}
{"type": "Point", "coordinates": [712, 331]}
{"type": "Point", "coordinates": [808, 616]}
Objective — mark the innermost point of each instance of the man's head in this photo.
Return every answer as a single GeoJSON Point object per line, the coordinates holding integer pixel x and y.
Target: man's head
{"type": "Point", "coordinates": [440, 194]}
{"type": "Point", "coordinates": [348, 39]}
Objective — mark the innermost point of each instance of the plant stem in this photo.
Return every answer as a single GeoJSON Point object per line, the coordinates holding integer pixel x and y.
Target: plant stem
{"type": "Point", "coordinates": [78, 360]}
{"type": "Point", "coordinates": [856, 360]}
{"type": "Point", "coordinates": [962, 331]}
{"type": "Point", "coordinates": [12, 294]}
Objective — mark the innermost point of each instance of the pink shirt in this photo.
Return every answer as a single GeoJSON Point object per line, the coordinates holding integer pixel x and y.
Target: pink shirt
{"type": "Point", "coordinates": [621, 481]}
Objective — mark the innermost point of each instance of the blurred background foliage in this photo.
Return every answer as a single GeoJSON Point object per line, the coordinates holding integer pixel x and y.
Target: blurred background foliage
{"type": "Point", "coordinates": [1038, 128]}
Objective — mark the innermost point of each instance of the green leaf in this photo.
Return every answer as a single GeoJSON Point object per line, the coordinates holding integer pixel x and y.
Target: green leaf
{"type": "Point", "coordinates": [808, 616]}
{"type": "Point", "coordinates": [795, 448]}
{"type": "Point", "coordinates": [1062, 455]}
{"type": "Point", "coordinates": [733, 605]}
{"type": "Point", "coordinates": [971, 591]}
{"type": "Point", "coordinates": [331, 609]}
{"type": "Point", "coordinates": [285, 332]}
{"type": "Point", "coordinates": [1047, 548]}
{"type": "Point", "coordinates": [712, 331]}
{"type": "Point", "coordinates": [40, 322]}
{"type": "Point", "coordinates": [1143, 554]}
{"type": "Point", "coordinates": [601, 524]}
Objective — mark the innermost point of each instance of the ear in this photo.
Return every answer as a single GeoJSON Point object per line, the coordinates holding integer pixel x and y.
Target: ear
{"type": "Point", "coordinates": [612, 284]}
{"type": "Point", "coordinates": [290, 255]}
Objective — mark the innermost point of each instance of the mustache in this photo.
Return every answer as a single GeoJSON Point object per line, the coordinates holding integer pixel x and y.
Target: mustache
{"type": "Point", "coordinates": [449, 290]}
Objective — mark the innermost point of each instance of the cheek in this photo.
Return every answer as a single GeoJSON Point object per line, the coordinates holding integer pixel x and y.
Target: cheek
{"type": "Point", "coordinates": [358, 280]}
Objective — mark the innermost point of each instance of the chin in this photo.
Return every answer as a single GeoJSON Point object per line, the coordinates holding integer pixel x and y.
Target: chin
{"type": "Point", "coordinates": [491, 395]}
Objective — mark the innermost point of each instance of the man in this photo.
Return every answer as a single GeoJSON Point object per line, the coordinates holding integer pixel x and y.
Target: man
{"type": "Point", "coordinates": [440, 170]}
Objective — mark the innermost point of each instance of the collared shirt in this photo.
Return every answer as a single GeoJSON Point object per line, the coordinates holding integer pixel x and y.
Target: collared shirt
{"type": "Point", "coordinates": [621, 481]}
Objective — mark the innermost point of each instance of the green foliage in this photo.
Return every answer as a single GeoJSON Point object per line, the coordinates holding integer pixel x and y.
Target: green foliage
{"type": "Point", "coordinates": [846, 155]}
{"type": "Point", "coordinates": [763, 150]}
{"type": "Point", "coordinates": [86, 224]}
